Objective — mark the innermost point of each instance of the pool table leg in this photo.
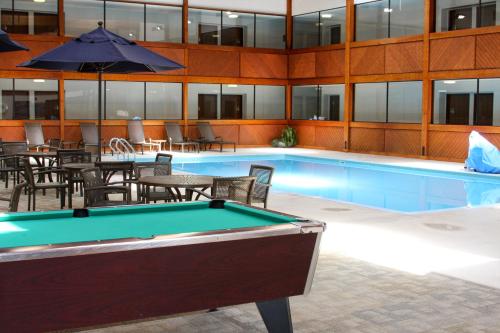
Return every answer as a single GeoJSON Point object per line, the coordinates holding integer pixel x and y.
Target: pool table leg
{"type": "Point", "coordinates": [276, 315]}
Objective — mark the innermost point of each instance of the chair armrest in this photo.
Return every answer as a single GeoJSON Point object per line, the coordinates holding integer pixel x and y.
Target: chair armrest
{"type": "Point", "coordinates": [110, 189]}
{"type": "Point", "coordinates": [4, 199]}
{"type": "Point", "coordinates": [128, 181]}
{"type": "Point", "coordinates": [202, 193]}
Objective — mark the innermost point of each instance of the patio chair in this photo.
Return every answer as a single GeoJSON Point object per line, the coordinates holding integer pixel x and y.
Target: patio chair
{"type": "Point", "coordinates": [15, 195]}
{"type": "Point", "coordinates": [10, 163]}
{"type": "Point", "coordinates": [96, 191]}
{"type": "Point", "coordinates": [263, 175]}
{"type": "Point", "coordinates": [34, 136]}
{"type": "Point", "coordinates": [33, 186]}
{"type": "Point", "coordinates": [89, 138]}
{"type": "Point", "coordinates": [231, 188]}
{"type": "Point", "coordinates": [175, 138]}
{"type": "Point", "coordinates": [64, 156]}
{"type": "Point", "coordinates": [162, 167]}
{"type": "Point", "coordinates": [136, 136]}
{"type": "Point", "coordinates": [207, 137]}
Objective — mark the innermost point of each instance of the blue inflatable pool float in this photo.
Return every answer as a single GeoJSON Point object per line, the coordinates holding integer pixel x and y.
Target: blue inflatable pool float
{"type": "Point", "coordinates": [483, 155]}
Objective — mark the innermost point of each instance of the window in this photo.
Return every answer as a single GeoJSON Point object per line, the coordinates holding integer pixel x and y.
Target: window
{"type": "Point", "coordinates": [324, 102]}
{"type": "Point", "coordinates": [163, 24]}
{"type": "Point", "coordinates": [124, 100]}
{"type": "Point", "coordinates": [230, 28]}
{"type": "Point", "coordinates": [163, 100]}
{"type": "Point", "coordinates": [33, 99]}
{"type": "Point", "coordinates": [319, 28]}
{"type": "Point", "coordinates": [269, 102]}
{"type": "Point", "coordinates": [270, 31]}
{"type": "Point", "coordinates": [125, 19]}
{"type": "Point", "coordinates": [80, 99]}
{"type": "Point", "coordinates": [29, 17]}
{"type": "Point", "coordinates": [395, 102]}
{"type": "Point", "coordinates": [465, 14]}
{"type": "Point", "coordinates": [81, 16]}
{"type": "Point", "coordinates": [232, 101]}
{"type": "Point", "coordinates": [389, 18]}
{"type": "Point", "coordinates": [238, 29]}
{"type": "Point", "coordinates": [467, 102]}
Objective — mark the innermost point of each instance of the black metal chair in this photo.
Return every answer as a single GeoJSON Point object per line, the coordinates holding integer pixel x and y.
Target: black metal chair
{"type": "Point", "coordinates": [11, 163]}
{"type": "Point", "coordinates": [231, 188]}
{"type": "Point", "coordinates": [33, 186]}
{"type": "Point", "coordinates": [15, 195]}
{"type": "Point", "coordinates": [161, 167]}
{"type": "Point", "coordinates": [96, 191]}
{"type": "Point", "coordinates": [263, 175]}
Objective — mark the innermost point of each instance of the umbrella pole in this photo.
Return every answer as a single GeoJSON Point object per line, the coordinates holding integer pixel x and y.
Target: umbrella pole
{"type": "Point", "coordinates": [99, 114]}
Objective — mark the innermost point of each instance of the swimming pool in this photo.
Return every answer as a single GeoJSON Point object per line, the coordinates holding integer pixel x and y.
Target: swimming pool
{"type": "Point", "coordinates": [396, 188]}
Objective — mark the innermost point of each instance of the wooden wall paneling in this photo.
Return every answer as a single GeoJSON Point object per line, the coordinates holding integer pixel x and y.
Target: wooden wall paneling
{"type": "Point", "coordinates": [289, 25]}
{"type": "Point", "coordinates": [367, 60]}
{"type": "Point", "coordinates": [330, 63]}
{"type": "Point", "coordinates": [72, 133]}
{"type": "Point", "coordinates": [452, 53]}
{"type": "Point", "coordinates": [305, 135]}
{"type": "Point", "coordinates": [367, 140]}
{"type": "Point", "coordinates": [9, 60]}
{"type": "Point", "coordinates": [302, 65]}
{"type": "Point", "coordinates": [154, 132]}
{"type": "Point", "coordinates": [227, 132]}
{"type": "Point", "coordinates": [426, 81]}
{"type": "Point", "coordinates": [176, 55]}
{"type": "Point", "coordinates": [330, 137]}
{"type": "Point", "coordinates": [402, 142]}
{"type": "Point", "coordinates": [213, 63]}
{"type": "Point", "coordinates": [448, 145]}
{"type": "Point", "coordinates": [185, 24]}
{"type": "Point", "coordinates": [259, 135]}
{"type": "Point", "coordinates": [288, 102]}
{"type": "Point", "coordinates": [264, 65]}
{"type": "Point", "coordinates": [50, 131]}
{"type": "Point", "coordinates": [112, 131]}
{"type": "Point", "coordinates": [403, 58]}
{"type": "Point", "coordinates": [185, 108]}
{"type": "Point", "coordinates": [12, 133]}
{"type": "Point", "coordinates": [61, 22]}
{"type": "Point", "coordinates": [488, 51]}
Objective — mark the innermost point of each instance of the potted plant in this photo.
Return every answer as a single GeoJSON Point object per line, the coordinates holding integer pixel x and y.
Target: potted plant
{"type": "Point", "coordinates": [287, 139]}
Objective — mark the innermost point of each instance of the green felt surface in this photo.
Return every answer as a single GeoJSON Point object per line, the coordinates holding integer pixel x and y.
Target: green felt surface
{"type": "Point", "coordinates": [58, 227]}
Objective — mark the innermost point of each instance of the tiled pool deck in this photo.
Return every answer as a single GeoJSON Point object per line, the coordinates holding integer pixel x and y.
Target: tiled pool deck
{"type": "Point", "coordinates": [379, 271]}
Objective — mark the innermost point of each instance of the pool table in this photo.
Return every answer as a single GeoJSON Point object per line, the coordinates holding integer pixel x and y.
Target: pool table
{"type": "Point", "coordinates": [74, 269]}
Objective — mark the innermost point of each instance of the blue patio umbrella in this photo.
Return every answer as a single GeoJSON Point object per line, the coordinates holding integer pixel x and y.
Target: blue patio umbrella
{"type": "Point", "coordinates": [8, 45]}
{"type": "Point", "coordinates": [101, 51]}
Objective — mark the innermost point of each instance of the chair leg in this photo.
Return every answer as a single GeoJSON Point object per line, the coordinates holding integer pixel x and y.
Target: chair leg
{"type": "Point", "coordinates": [63, 197]}
{"type": "Point", "coordinates": [34, 200]}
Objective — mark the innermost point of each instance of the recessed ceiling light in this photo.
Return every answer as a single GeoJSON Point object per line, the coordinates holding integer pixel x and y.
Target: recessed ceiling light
{"type": "Point", "coordinates": [38, 0]}
{"type": "Point", "coordinates": [326, 15]}
{"type": "Point", "coordinates": [229, 13]}
{"type": "Point", "coordinates": [189, 22]}
{"type": "Point", "coordinates": [131, 34]}
{"type": "Point", "coordinates": [232, 16]}
{"type": "Point", "coordinates": [39, 80]}
{"type": "Point", "coordinates": [460, 16]}
{"type": "Point", "coordinates": [232, 86]}
{"type": "Point", "coordinates": [449, 81]}
{"type": "Point", "coordinates": [387, 10]}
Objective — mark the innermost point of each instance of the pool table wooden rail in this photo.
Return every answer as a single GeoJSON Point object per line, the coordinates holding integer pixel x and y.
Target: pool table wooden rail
{"type": "Point", "coordinates": [73, 286]}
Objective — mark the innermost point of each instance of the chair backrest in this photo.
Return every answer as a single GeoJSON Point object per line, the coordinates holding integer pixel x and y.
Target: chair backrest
{"type": "Point", "coordinates": [206, 131]}
{"type": "Point", "coordinates": [15, 195]}
{"type": "Point", "coordinates": [73, 156]}
{"type": "Point", "coordinates": [164, 158]}
{"type": "Point", "coordinates": [13, 148]}
{"type": "Point", "coordinates": [234, 188]}
{"type": "Point", "coordinates": [110, 168]}
{"type": "Point", "coordinates": [142, 169]}
{"type": "Point", "coordinates": [92, 178]}
{"type": "Point", "coordinates": [174, 132]}
{"type": "Point", "coordinates": [34, 134]}
{"type": "Point", "coordinates": [55, 144]}
{"type": "Point", "coordinates": [263, 175]}
{"type": "Point", "coordinates": [89, 133]}
{"type": "Point", "coordinates": [136, 131]}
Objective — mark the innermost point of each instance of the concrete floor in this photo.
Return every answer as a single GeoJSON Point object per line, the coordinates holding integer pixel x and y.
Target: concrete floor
{"type": "Point", "coordinates": [379, 271]}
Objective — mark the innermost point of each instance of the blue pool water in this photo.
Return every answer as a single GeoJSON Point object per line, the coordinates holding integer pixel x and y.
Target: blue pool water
{"type": "Point", "coordinates": [389, 187]}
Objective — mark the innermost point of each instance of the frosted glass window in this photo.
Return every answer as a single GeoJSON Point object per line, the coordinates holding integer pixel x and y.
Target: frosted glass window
{"type": "Point", "coordinates": [124, 100]}
{"type": "Point", "coordinates": [163, 100]}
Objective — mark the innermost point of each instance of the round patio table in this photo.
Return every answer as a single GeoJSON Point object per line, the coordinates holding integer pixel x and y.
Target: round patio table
{"type": "Point", "coordinates": [173, 184]}
{"type": "Point", "coordinates": [73, 169]}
